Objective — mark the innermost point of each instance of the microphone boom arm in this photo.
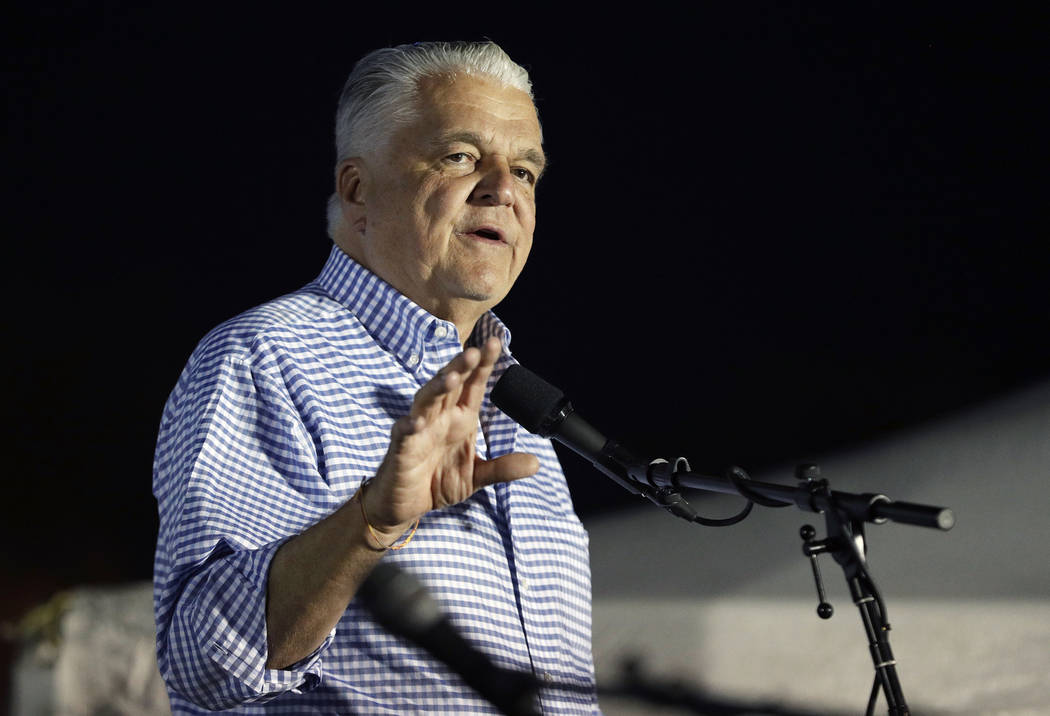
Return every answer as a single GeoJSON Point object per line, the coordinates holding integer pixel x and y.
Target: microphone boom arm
{"type": "Point", "coordinates": [865, 507]}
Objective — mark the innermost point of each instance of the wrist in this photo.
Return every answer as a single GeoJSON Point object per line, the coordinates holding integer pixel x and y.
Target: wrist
{"type": "Point", "coordinates": [379, 536]}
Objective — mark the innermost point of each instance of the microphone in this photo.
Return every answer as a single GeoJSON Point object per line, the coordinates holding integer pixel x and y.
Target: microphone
{"type": "Point", "coordinates": [400, 602]}
{"type": "Point", "coordinates": [541, 408]}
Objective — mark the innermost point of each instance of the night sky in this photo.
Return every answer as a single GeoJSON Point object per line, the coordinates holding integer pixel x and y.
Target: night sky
{"type": "Point", "coordinates": [765, 234]}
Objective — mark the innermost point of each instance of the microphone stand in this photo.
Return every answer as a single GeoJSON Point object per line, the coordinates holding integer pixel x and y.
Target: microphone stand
{"type": "Point", "coordinates": [846, 543]}
{"type": "Point", "coordinates": [543, 409]}
{"type": "Point", "coordinates": [844, 517]}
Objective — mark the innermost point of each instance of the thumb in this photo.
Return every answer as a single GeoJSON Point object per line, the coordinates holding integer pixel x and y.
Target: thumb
{"type": "Point", "coordinates": [505, 468]}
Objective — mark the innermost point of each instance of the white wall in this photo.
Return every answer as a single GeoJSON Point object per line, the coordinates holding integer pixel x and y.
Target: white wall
{"type": "Point", "coordinates": [732, 610]}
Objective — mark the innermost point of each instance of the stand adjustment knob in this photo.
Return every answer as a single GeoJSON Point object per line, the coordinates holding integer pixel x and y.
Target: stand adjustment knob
{"type": "Point", "coordinates": [811, 548]}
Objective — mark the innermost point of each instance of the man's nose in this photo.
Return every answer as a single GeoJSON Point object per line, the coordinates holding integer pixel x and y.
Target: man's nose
{"type": "Point", "coordinates": [496, 186]}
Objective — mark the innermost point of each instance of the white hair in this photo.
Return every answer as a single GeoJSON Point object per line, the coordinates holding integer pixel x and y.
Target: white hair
{"type": "Point", "coordinates": [382, 91]}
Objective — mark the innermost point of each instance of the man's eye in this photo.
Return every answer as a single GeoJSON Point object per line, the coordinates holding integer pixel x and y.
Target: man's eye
{"type": "Point", "coordinates": [458, 158]}
{"type": "Point", "coordinates": [524, 174]}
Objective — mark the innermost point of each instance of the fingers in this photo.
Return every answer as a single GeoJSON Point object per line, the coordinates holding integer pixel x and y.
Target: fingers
{"type": "Point", "coordinates": [443, 390]}
{"type": "Point", "coordinates": [514, 466]}
{"type": "Point", "coordinates": [431, 460]}
{"type": "Point", "coordinates": [461, 382]}
{"type": "Point", "coordinates": [475, 383]}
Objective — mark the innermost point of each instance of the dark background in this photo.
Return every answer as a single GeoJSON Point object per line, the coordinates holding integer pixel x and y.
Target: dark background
{"type": "Point", "coordinates": [767, 232]}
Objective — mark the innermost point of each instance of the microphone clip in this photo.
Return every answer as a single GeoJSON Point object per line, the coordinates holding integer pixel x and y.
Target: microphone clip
{"type": "Point", "coordinates": [666, 497]}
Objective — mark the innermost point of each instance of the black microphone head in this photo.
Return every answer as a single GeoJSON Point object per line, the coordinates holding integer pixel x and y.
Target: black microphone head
{"type": "Point", "coordinates": [528, 399]}
{"type": "Point", "coordinates": [399, 601]}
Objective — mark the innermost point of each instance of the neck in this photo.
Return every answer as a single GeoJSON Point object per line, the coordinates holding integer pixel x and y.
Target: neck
{"type": "Point", "coordinates": [464, 313]}
{"type": "Point", "coordinates": [465, 317]}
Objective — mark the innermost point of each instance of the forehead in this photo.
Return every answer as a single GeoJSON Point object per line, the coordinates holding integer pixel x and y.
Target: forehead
{"type": "Point", "coordinates": [502, 115]}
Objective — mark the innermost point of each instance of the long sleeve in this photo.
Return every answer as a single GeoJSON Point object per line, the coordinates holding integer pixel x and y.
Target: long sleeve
{"type": "Point", "coordinates": [234, 477]}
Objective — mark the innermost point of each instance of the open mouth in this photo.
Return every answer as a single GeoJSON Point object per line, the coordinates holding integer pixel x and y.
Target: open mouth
{"type": "Point", "coordinates": [486, 234]}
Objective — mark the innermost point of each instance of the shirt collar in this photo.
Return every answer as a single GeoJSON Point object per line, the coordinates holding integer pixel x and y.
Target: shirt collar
{"type": "Point", "coordinates": [397, 323]}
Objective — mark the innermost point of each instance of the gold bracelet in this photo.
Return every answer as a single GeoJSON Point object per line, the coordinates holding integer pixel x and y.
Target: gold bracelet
{"type": "Point", "coordinates": [361, 501]}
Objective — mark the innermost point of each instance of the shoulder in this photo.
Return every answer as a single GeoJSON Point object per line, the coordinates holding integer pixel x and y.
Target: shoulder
{"type": "Point", "coordinates": [302, 327]}
{"type": "Point", "coordinates": [285, 321]}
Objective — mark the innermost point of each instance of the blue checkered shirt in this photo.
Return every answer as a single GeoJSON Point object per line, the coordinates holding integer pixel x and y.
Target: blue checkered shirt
{"type": "Point", "coordinates": [277, 418]}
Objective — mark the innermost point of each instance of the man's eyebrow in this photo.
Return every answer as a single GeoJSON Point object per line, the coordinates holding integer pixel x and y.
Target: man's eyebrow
{"type": "Point", "coordinates": [453, 137]}
{"type": "Point", "coordinates": [536, 156]}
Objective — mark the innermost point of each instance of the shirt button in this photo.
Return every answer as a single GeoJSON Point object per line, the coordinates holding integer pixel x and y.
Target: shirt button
{"type": "Point", "coordinates": [441, 332]}
{"type": "Point", "coordinates": [547, 677]}
{"type": "Point", "coordinates": [413, 359]}
{"type": "Point", "coordinates": [524, 584]}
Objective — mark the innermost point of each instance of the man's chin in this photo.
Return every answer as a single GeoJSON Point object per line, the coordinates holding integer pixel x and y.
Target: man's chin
{"type": "Point", "coordinates": [485, 299]}
{"type": "Point", "coordinates": [482, 291]}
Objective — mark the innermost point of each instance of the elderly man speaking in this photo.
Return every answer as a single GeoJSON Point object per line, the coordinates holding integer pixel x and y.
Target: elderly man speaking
{"type": "Point", "coordinates": [349, 422]}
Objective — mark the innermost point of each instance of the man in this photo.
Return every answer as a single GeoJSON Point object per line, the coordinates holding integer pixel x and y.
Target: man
{"type": "Point", "coordinates": [315, 435]}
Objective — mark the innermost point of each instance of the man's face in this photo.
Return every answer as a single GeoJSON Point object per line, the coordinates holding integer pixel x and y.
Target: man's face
{"type": "Point", "coordinates": [449, 207]}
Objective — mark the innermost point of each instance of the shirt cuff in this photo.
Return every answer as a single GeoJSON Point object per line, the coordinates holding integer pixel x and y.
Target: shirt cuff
{"type": "Point", "coordinates": [229, 620]}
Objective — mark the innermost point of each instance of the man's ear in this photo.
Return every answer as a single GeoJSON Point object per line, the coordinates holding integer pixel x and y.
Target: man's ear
{"type": "Point", "coordinates": [350, 185]}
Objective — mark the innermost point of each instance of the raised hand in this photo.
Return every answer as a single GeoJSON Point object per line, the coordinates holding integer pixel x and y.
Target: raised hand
{"type": "Point", "coordinates": [431, 462]}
